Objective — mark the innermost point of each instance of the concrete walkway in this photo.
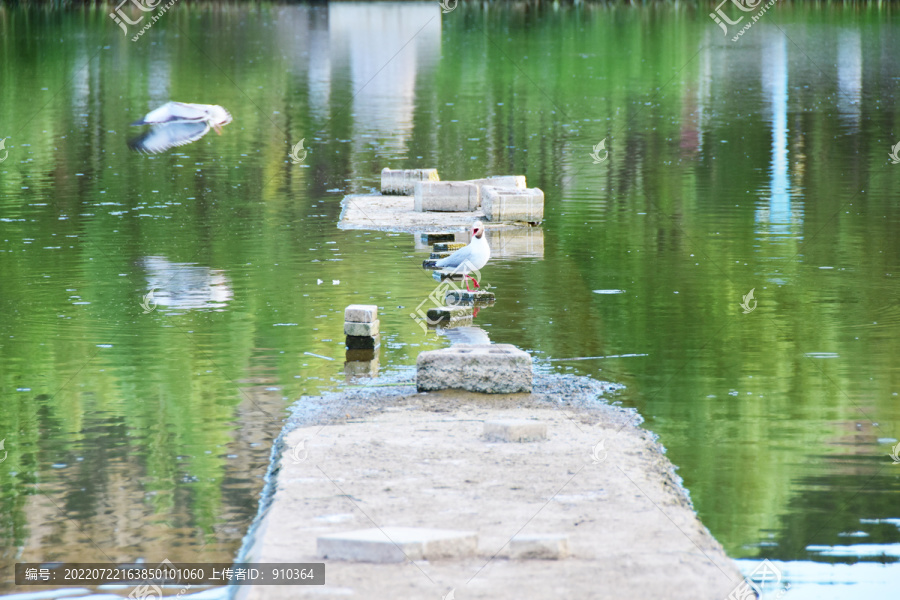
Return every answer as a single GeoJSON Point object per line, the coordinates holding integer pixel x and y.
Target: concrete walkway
{"type": "Point", "coordinates": [391, 457]}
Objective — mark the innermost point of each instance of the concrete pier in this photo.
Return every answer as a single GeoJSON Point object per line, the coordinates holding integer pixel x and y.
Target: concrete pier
{"type": "Point", "coordinates": [552, 518]}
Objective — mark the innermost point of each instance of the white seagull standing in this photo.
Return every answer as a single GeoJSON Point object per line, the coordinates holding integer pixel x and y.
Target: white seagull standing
{"type": "Point", "coordinates": [471, 258]}
{"type": "Point", "coordinates": [183, 112]}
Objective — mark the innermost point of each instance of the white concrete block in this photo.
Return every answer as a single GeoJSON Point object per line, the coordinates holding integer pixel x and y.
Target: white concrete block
{"type": "Point", "coordinates": [397, 544]}
{"type": "Point", "coordinates": [515, 431]}
{"type": "Point", "coordinates": [361, 313]}
{"type": "Point", "coordinates": [502, 181]}
{"type": "Point", "coordinates": [485, 368]}
{"type": "Point", "coordinates": [547, 547]}
{"type": "Point", "coordinates": [507, 204]}
{"type": "Point", "coordinates": [400, 182]}
{"type": "Point", "coordinates": [445, 196]}
{"type": "Point", "coordinates": [369, 329]}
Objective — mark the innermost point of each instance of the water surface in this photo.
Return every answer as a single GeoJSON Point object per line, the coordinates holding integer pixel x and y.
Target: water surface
{"type": "Point", "coordinates": [143, 431]}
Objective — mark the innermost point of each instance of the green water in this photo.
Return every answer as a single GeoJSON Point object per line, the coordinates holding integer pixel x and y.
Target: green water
{"type": "Point", "coordinates": [760, 164]}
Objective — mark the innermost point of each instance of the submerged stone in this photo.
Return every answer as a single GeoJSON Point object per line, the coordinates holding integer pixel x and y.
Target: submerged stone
{"type": "Point", "coordinates": [464, 297]}
{"type": "Point", "coordinates": [362, 342]}
{"type": "Point", "coordinates": [445, 313]}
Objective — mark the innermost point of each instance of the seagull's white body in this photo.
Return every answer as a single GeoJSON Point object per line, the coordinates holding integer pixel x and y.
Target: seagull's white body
{"type": "Point", "coordinates": [183, 112]}
{"type": "Point", "coordinates": [471, 258]}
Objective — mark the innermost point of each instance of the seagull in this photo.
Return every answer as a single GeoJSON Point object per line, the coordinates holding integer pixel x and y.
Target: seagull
{"type": "Point", "coordinates": [177, 124]}
{"type": "Point", "coordinates": [471, 258]}
{"type": "Point", "coordinates": [182, 112]}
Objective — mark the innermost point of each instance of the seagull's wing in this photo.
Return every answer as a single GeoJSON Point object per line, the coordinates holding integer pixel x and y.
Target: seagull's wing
{"type": "Point", "coordinates": [175, 112]}
{"type": "Point", "coordinates": [457, 258]}
{"type": "Point", "coordinates": [162, 137]}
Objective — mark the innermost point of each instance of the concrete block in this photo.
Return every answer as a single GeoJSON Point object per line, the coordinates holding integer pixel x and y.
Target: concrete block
{"type": "Point", "coordinates": [361, 313]}
{"type": "Point", "coordinates": [547, 547]}
{"type": "Point", "coordinates": [432, 237]}
{"type": "Point", "coordinates": [515, 431]}
{"type": "Point", "coordinates": [360, 355]}
{"type": "Point", "coordinates": [448, 246]}
{"type": "Point", "coordinates": [367, 329]}
{"type": "Point", "coordinates": [397, 544]}
{"type": "Point", "coordinates": [445, 196]}
{"type": "Point", "coordinates": [502, 181]}
{"type": "Point", "coordinates": [464, 298]}
{"type": "Point", "coordinates": [507, 204]}
{"type": "Point", "coordinates": [485, 368]}
{"type": "Point", "coordinates": [363, 342]}
{"type": "Point", "coordinates": [401, 182]}
{"type": "Point", "coordinates": [445, 313]}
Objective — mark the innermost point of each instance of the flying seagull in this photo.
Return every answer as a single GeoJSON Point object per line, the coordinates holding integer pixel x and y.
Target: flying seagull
{"type": "Point", "coordinates": [182, 112]}
{"type": "Point", "coordinates": [471, 258]}
{"type": "Point", "coordinates": [178, 123]}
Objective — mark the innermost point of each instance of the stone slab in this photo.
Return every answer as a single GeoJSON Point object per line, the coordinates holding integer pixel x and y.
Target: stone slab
{"type": "Point", "coordinates": [515, 431]}
{"type": "Point", "coordinates": [362, 342]}
{"type": "Point", "coordinates": [546, 547]}
{"type": "Point", "coordinates": [440, 255]}
{"type": "Point", "coordinates": [397, 544]}
{"type": "Point", "coordinates": [448, 246]}
{"type": "Point", "coordinates": [445, 196]}
{"type": "Point", "coordinates": [367, 329]}
{"type": "Point", "coordinates": [361, 313]}
{"type": "Point", "coordinates": [506, 204]}
{"type": "Point", "coordinates": [463, 298]}
{"type": "Point", "coordinates": [485, 368]}
{"type": "Point", "coordinates": [401, 182]}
